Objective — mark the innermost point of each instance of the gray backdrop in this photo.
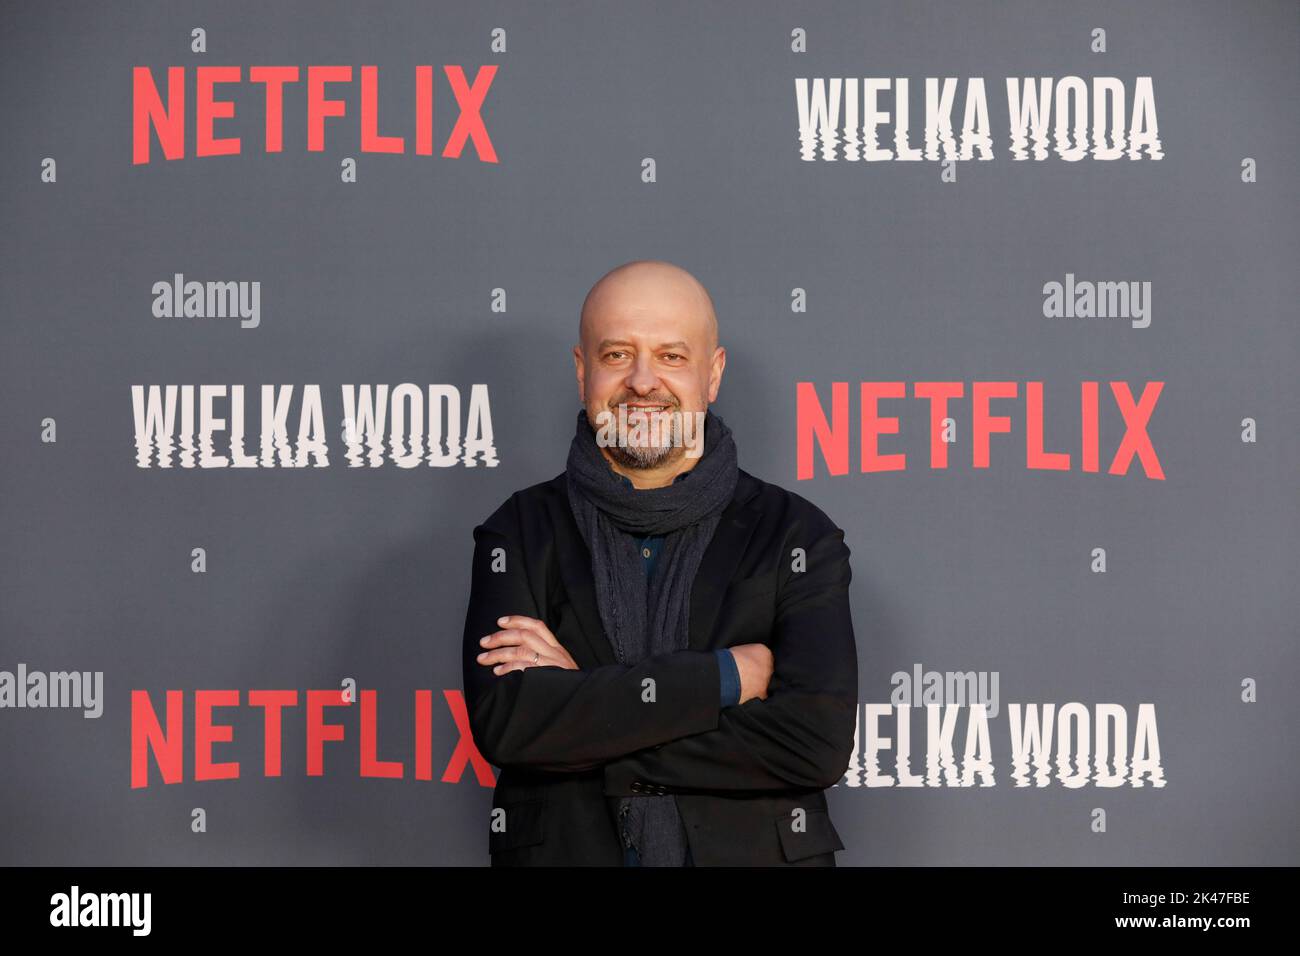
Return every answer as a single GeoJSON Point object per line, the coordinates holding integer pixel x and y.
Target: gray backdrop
{"type": "Point", "coordinates": [314, 575]}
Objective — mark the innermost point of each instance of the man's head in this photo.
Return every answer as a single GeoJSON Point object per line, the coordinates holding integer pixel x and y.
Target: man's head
{"type": "Point", "coordinates": [648, 339]}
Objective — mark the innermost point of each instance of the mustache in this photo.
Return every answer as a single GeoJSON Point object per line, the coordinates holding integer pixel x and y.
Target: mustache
{"type": "Point", "coordinates": [649, 399]}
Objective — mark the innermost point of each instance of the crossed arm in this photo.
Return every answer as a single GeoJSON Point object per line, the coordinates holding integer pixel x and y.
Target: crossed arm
{"type": "Point", "coordinates": [659, 720]}
{"type": "Point", "coordinates": [802, 734]}
{"type": "Point", "coordinates": [556, 718]}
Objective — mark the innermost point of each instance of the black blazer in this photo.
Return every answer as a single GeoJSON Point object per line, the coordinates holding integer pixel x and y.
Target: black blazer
{"type": "Point", "coordinates": [748, 779]}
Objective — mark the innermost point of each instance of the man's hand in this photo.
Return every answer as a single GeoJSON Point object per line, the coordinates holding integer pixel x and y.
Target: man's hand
{"type": "Point", "coordinates": [754, 661]}
{"type": "Point", "coordinates": [527, 642]}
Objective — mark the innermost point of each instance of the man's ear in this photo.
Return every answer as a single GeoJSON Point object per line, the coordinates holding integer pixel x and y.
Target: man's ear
{"type": "Point", "coordinates": [715, 372]}
{"type": "Point", "coordinates": [578, 370]}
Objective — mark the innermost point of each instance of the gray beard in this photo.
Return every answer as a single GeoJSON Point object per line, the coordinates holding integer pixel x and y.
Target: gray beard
{"type": "Point", "coordinates": [640, 457]}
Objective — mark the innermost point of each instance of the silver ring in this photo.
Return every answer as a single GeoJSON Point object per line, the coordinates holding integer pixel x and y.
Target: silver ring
{"type": "Point", "coordinates": [537, 656]}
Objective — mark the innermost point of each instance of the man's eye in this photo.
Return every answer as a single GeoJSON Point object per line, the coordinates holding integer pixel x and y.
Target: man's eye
{"type": "Point", "coordinates": [672, 355]}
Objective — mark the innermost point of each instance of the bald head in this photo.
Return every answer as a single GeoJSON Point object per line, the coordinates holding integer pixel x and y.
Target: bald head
{"type": "Point", "coordinates": [648, 345]}
{"type": "Point", "coordinates": [651, 288]}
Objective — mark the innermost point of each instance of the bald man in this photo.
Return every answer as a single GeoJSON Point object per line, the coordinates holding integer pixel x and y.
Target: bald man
{"type": "Point", "coordinates": [658, 650]}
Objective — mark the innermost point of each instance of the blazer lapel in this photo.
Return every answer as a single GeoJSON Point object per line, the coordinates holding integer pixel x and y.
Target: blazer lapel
{"type": "Point", "coordinates": [723, 554]}
{"type": "Point", "coordinates": [575, 570]}
{"type": "Point", "coordinates": [718, 566]}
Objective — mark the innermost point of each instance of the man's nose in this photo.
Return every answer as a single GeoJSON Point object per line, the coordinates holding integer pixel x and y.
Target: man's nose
{"type": "Point", "coordinates": [641, 377]}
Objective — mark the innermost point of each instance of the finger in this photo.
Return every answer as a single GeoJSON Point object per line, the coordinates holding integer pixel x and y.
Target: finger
{"type": "Point", "coordinates": [511, 653]}
{"type": "Point", "coordinates": [530, 656]}
{"type": "Point", "coordinates": [529, 624]}
{"type": "Point", "coordinates": [514, 636]}
{"type": "Point", "coordinates": [530, 641]}
{"type": "Point", "coordinates": [499, 656]}
{"type": "Point", "coordinates": [517, 665]}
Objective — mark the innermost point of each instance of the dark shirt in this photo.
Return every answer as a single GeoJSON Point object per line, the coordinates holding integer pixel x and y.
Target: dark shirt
{"type": "Point", "coordinates": [728, 672]}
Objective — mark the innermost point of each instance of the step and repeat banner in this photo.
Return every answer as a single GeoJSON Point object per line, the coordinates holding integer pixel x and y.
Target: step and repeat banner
{"type": "Point", "coordinates": [290, 293]}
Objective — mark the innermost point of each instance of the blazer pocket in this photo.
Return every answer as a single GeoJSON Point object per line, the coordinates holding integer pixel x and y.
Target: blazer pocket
{"type": "Point", "coordinates": [817, 836]}
{"type": "Point", "coordinates": [524, 825]}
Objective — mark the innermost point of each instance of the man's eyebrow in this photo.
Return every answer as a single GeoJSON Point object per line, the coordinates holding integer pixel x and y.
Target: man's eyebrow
{"type": "Point", "coordinates": [679, 344]}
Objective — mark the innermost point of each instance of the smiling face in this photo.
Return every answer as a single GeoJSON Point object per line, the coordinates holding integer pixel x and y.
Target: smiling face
{"type": "Point", "coordinates": [649, 342]}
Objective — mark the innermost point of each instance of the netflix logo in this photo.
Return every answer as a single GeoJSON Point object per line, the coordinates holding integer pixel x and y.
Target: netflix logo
{"type": "Point", "coordinates": [830, 433]}
{"type": "Point", "coordinates": [174, 747]}
{"type": "Point", "coordinates": [165, 114]}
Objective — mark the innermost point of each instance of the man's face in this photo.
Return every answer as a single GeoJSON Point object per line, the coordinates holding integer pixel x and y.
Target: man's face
{"type": "Point", "coordinates": [647, 344]}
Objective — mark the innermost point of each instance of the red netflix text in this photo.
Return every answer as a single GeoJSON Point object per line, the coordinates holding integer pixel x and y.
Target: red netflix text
{"type": "Point", "coordinates": [831, 435]}
{"type": "Point", "coordinates": [165, 115]}
{"type": "Point", "coordinates": [166, 738]}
